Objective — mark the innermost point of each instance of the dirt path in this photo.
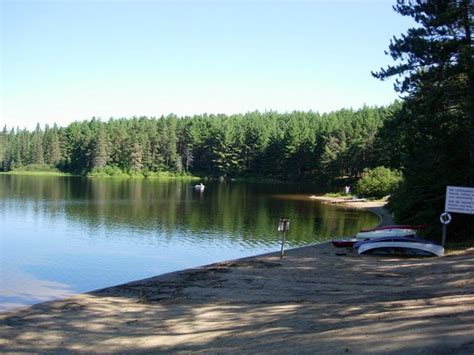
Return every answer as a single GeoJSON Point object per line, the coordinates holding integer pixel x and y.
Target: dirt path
{"type": "Point", "coordinates": [315, 300]}
{"type": "Point", "coordinates": [386, 218]}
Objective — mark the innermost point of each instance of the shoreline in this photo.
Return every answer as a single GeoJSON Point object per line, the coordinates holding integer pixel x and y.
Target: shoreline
{"type": "Point", "coordinates": [87, 176]}
{"type": "Point", "coordinates": [265, 304]}
{"type": "Point", "coordinates": [315, 299]}
{"type": "Point", "coordinates": [377, 207]}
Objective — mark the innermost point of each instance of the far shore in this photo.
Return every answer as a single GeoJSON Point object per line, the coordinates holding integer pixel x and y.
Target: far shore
{"type": "Point", "coordinates": [124, 176]}
{"type": "Point", "coordinates": [317, 299]}
{"type": "Point", "coordinates": [36, 173]}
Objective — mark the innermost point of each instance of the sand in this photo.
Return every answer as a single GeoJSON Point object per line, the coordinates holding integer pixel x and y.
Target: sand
{"type": "Point", "coordinates": [317, 299]}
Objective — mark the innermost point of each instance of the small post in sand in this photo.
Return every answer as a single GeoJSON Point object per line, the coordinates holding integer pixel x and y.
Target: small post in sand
{"type": "Point", "coordinates": [283, 227]}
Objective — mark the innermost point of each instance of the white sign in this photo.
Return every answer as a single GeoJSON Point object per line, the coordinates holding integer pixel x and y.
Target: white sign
{"type": "Point", "coordinates": [284, 225]}
{"type": "Point", "coordinates": [459, 199]}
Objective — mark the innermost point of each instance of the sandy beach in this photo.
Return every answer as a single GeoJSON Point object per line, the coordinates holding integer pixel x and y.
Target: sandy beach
{"type": "Point", "coordinates": [377, 207]}
{"type": "Point", "coordinates": [317, 299]}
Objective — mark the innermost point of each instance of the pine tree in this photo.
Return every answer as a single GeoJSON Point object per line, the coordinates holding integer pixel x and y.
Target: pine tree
{"type": "Point", "coordinates": [435, 70]}
{"type": "Point", "coordinates": [3, 147]}
{"type": "Point", "coordinates": [37, 156]}
{"type": "Point", "coordinates": [100, 154]}
{"type": "Point", "coordinates": [52, 150]}
{"type": "Point", "coordinates": [136, 157]}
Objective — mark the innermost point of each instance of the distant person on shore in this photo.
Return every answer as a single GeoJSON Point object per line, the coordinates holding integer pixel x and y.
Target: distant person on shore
{"type": "Point", "coordinates": [347, 190]}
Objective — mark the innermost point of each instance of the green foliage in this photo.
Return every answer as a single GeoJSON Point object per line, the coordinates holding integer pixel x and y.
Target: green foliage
{"type": "Point", "coordinates": [336, 194]}
{"type": "Point", "coordinates": [100, 154]}
{"type": "Point", "coordinates": [107, 171]}
{"type": "Point", "coordinates": [270, 145]}
{"type": "Point", "coordinates": [116, 172]}
{"type": "Point", "coordinates": [378, 182]}
{"type": "Point", "coordinates": [432, 137]}
{"type": "Point", "coordinates": [170, 175]}
{"type": "Point", "coordinates": [38, 168]}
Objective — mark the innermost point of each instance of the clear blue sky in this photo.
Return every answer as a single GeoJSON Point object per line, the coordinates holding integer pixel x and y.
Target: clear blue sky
{"type": "Point", "coordinates": [70, 60]}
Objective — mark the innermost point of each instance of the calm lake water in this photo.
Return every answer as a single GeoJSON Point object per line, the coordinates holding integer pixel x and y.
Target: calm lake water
{"type": "Point", "coordinates": [65, 235]}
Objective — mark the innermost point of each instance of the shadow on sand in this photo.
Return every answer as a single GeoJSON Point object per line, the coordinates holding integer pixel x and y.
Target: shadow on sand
{"type": "Point", "coordinates": [311, 301]}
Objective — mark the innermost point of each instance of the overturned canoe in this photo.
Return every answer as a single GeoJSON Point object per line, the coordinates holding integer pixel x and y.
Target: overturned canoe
{"type": "Point", "coordinates": [397, 226]}
{"type": "Point", "coordinates": [404, 246]}
{"type": "Point", "coordinates": [380, 233]}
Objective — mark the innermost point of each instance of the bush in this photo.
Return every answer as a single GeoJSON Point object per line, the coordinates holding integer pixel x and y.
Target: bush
{"type": "Point", "coordinates": [37, 168]}
{"type": "Point", "coordinates": [107, 171]}
{"type": "Point", "coordinates": [378, 182]}
{"type": "Point", "coordinates": [169, 175]}
{"type": "Point", "coordinates": [114, 171]}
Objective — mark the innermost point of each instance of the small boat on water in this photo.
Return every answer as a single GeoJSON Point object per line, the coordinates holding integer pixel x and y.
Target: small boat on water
{"type": "Point", "coordinates": [397, 226]}
{"type": "Point", "coordinates": [344, 242]}
{"type": "Point", "coordinates": [380, 233]}
{"type": "Point", "coordinates": [199, 187]}
{"type": "Point", "coordinates": [403, 246]}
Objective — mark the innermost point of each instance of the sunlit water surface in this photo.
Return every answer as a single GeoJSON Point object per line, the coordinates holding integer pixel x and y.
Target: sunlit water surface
{"type": "Point", "coordinates": [65, 235]}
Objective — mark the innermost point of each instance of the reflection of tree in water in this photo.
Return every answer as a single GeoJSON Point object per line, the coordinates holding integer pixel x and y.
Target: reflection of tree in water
{"type": "Point", "coordinates": [240, 212]}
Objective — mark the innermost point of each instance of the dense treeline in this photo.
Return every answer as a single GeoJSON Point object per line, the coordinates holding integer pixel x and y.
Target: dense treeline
{"type": "Point", "coordinates": [287, 146]}
{"type": "Point", "coordinates": [433, 135]}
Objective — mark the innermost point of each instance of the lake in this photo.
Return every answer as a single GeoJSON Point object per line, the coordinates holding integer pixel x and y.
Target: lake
{"type": "Point", "coordinates": [66, 235]}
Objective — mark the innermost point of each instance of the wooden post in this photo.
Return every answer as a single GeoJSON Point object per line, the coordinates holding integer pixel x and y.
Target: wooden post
{"type": "Point", "coordinates": [283, 226]}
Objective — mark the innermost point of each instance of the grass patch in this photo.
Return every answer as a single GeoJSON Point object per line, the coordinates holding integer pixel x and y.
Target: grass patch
{"type": "Point", "coordinates": [37, 170]}
{"type": "Point", "coordinates": [338, 195]}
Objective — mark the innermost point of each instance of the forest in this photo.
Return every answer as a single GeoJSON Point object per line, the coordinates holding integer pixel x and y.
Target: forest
{"type": "Point", "coordinates": [434, 130]}
{"type": "Point", "coordinates": [285, 146]}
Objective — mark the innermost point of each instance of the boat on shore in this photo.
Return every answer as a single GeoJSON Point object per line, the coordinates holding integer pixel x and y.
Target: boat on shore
{"type": "Point", "coordinates": [373, 234]}
{"type": "Point", "coordinates": [381, 233]}
{"type": "Point", "coordinates": [396, 226]}
{"type": "Point", "coordinates": [344, 242]}
{"type": "Point", "coordinates": [402, 246]}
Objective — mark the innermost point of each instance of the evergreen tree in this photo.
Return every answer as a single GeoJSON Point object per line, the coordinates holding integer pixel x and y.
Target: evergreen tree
{"type": "Point", "coordinates": [136, 157]}
{"type": "Point", "coordinates": [284, 146]}
{"type": "Point", "coordinates": [435, 67]}
{"type": "Point", "coordinates": [52, 150]}
{"type": "Point", "coordinates": [100, 151]}
{"type": "Point", "coordinates": [3, 147]}
{"type": "Point", "coordinates": [37, 156]}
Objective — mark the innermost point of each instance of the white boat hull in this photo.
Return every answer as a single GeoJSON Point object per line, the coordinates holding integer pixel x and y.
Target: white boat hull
{"type": "Point", "coordinates": [406, 248]}
{"type": "Point", "coordinates": [385, 233]}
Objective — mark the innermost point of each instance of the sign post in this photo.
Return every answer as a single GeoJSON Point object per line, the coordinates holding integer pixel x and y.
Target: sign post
{"type": "Point", "coordinates": [445, 219]}
{"type": "Point", "coordinates": [283, 227]}
{"type": "Point", "coordinates": [458, 200]}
